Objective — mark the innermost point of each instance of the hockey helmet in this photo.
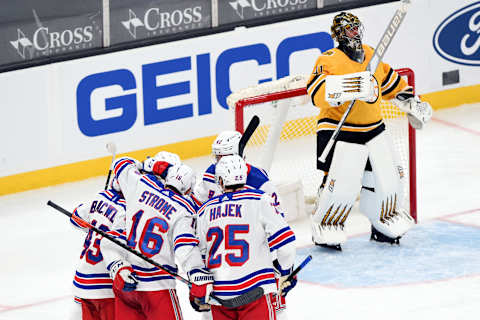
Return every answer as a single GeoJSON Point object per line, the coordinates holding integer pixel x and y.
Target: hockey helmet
{"type": "Point", "coordinates": [232, 169]}
{"type": "Point", "coordinates": [226, 143]}
{"type": "Point", "coordinates": [181, 177]}
{"type": "Point", "coordinates": [347, 30]}
{"type": "Point", "coordinates": [169, 157]}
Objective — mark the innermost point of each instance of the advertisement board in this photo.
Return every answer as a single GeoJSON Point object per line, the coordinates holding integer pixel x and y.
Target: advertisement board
{"type": "Point", "coordinates": [136, 20]}
{"type": "Point", "coordinates": [175, 92]}
{"type": "Point", "coordinates": [33, 29]}
{"type": "Point", "coordinates": [241, 10]}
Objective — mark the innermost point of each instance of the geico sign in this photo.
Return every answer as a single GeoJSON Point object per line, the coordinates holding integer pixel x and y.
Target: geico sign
{"type": "Point", "coordinates": [153, 91]}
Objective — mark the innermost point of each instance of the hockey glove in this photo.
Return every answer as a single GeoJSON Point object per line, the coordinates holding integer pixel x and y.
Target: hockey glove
{"type": "Point", "coordinates": [123, 275]}
{"type": "Point", "coordinates": [285, 284]}
{"type": "Point", "coordinates": [202, 286]}
{"type": "Point", "coordinates": [418, 112]}
{"type": "Point", "coordinates": [159, 168]}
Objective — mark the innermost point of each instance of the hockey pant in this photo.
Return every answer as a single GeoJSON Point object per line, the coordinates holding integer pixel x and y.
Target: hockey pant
{"type": "Point", "coordinates": [96, 309]}
{"type": "Point", "coordinates": [143, 305]}
{"type": "Point", "coordinates": [260, 309]}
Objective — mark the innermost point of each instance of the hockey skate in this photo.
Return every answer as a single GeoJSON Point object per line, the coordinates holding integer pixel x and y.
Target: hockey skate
{"type": "Point", "coordinates": [380, 237]}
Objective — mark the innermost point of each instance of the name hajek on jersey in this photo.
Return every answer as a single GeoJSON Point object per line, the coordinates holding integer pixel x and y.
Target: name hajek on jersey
{"type": "Point", "coordinates": [227, 210]}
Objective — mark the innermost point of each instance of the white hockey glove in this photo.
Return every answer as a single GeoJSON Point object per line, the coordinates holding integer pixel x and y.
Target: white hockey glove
{"type": "Point", "coordinates": [123, 275]}
{"type": "Point", "coordinates": [284, 283]}
{"type": "Point", "coordinates": [418, 112]}
{"type": "Point", "coordinates": [202, 286]}
{"type": "Point", "coordinates": [351, 86]}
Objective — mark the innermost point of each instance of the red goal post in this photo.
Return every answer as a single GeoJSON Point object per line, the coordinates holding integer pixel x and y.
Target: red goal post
{"type": "Point", "coordinates": [269, 99]}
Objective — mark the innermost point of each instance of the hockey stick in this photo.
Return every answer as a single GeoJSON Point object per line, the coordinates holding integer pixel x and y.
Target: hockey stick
{"type": "Point", "coordinates": [252, 126]}
{"type": "Point", "coordinates": [241, 300]}
{"type": "Point", "coordinates": [377, 57]}
{"type": "Point", "coordinates": [112, 148]}
{"type": "Point", "coordinates": [300, 267]}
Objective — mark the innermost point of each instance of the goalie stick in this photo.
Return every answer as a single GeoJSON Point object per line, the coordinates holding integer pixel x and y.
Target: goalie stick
{"type": "Point", "coordinates": [252, 126]}
{"type": "Point", "coordinates": [112, 148]}
{"type": "Point", "coordinates": [239, 301]}
{"type": "Point", "coordinates": [378, 54]}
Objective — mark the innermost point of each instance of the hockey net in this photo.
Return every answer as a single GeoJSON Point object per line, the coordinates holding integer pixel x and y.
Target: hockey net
{"type": "Point", "coordinates": [284, 144]}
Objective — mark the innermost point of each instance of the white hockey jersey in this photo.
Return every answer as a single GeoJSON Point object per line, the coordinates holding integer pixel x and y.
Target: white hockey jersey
{"type": "Point", "coordinates": [257, 178]}
{"type": "Point", "coordinates": [159, 224]}
{"type": "Point", "coordinates": [106, 211]}
{"type": "Point", "coordinates": [237, 232]}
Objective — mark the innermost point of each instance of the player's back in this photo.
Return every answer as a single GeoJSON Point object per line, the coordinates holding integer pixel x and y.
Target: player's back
{"type": "Point", "coordinates": [232, 231]}
{"type": "Point", "coordinates": [104, 211]}
{"type": "Point", "coordinates": [152, 216]}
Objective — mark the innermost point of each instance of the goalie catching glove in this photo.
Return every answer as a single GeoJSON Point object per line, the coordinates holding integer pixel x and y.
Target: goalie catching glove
{"type": "Point", "coordinates": [351, 86]}
{"type": "Point", "coordinates": [122, 275]}
{"type": "Point", "coordinates": [418, 112]}
{"type": "Point", "coordinates": [202, 286]}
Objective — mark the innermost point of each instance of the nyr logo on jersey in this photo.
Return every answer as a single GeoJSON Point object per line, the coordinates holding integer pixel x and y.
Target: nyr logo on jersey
{"type": "Point", "coordinates": [457, 38]}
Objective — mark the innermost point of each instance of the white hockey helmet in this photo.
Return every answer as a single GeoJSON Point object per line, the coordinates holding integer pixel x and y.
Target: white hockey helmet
{"type": "Point", "coordinates": [169, 157]}
{"type": "Point", "coordinates": [181, 177]}
{"type": "Point", "coordinates": [232, 169]}
{"type": "Point", "coordinates": [226, 143]}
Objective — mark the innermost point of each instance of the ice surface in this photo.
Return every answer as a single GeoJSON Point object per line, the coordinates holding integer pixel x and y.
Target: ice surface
{"type": "Point", "coordinates": [434, 274]}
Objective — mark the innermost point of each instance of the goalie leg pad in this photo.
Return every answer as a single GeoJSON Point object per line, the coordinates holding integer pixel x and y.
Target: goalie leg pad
{"type": "Point", "coordinates": [380, 201]}
{"type": "Point", "coordinates": [340, 192]}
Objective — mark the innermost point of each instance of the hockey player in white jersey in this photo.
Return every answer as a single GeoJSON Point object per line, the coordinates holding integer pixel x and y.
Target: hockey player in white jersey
{"type": "Point", "coordinates": [159, 224]}
{"type": "Point", "coordinates": [159, 166]}
{"type": "Point", "coordinates": [227, 143]}
{"type": "Point", "coordinates": [92, 284]}
{"type": "Point", "coordinates": [237, 231]}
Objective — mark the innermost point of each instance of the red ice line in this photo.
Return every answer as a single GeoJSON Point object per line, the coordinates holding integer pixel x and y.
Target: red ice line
{"type": "Point", "coordinates": [34, 304]}
{"type": "Point", "coordinates": [454, 125]}
{"type": "Point", "coordinates": [445, 218]}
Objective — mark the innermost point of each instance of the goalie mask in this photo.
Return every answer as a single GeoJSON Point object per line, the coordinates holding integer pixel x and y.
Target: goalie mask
{"type": "Point", "coordinates": [226, 144]}
{"type": "Point", "coordinates": [347, 30]}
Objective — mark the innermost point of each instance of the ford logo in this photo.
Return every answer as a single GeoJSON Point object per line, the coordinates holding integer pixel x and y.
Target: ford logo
{"type": "Point", "coordinates": [457, 38]}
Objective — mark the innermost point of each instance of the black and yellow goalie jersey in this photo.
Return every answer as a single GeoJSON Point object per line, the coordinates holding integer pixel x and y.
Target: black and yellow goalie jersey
{"type": "Point", "coordinates": [364, 116]}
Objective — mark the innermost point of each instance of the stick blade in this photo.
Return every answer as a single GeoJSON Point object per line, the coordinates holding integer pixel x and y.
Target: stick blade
{"type": "Point", "coordinates": [111, 147]}
{"type": "Point", "coordinates": [252, 126]}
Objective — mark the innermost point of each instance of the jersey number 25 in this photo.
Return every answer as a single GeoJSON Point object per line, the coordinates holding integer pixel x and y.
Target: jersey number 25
{"type": "Point", "coordinates": [231, 243]}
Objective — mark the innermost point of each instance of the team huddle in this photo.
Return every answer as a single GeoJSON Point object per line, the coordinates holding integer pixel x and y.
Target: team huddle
{"type": "Point", "coordinates": [227, 232]}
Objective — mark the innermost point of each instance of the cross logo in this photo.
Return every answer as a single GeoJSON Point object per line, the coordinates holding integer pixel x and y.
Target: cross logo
{"type": "Point", "coordinates": [239, 6]}
{"type": "Point", "coordinates": [22, 43]}
{"type": "Point", "coordinates": [132, 23]}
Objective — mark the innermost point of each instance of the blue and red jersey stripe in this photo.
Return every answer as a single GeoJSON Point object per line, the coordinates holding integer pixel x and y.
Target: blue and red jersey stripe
{"type": "Point", "coordinates": [281, 238]}
{"type": "Point", "coordinates": [244, 284]}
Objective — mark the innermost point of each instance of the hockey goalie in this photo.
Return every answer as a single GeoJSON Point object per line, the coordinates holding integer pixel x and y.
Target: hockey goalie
{"type": "Point", "coordinates": [362, 160]}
